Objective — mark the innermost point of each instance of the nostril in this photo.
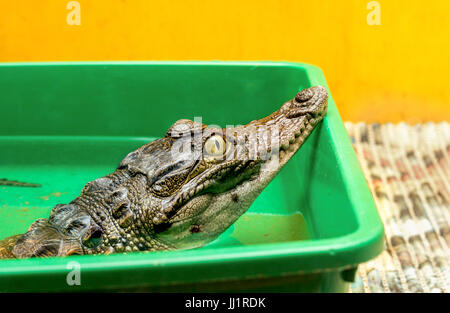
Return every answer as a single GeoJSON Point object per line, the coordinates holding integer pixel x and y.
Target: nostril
{"type": "Point", "coordinates": [304, 95]}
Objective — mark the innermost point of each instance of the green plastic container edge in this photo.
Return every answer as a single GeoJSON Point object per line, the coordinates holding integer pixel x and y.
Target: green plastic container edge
{"type": "Point", "coordinates": [316, 256]}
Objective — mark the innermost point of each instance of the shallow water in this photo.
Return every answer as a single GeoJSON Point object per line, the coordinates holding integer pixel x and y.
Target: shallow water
{"type": "Point", "coordinates": [259, 228]}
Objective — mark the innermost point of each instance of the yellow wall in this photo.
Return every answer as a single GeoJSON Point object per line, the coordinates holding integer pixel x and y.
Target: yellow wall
{"type": "Point", "coordinates": [395, 71]}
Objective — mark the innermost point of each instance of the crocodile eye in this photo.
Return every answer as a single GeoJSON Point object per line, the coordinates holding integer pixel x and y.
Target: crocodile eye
{"type": "Point", "coordinates": [215, 146]}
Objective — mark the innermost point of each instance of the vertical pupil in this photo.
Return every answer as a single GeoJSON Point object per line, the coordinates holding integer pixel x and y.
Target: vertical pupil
{"type": "Point", "coordinates": [218, 145]}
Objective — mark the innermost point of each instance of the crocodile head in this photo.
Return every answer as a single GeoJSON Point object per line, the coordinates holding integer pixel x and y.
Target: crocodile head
{"type": "Point", "coordinates": [180, 191]}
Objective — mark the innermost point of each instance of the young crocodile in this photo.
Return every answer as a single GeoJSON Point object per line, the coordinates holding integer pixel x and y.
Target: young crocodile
{"type": "Point", "coordinates": [177, 192]}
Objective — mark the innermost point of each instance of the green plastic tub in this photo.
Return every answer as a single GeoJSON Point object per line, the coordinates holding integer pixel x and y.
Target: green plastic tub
{"type": "Point", "coordinates": [64, 124]}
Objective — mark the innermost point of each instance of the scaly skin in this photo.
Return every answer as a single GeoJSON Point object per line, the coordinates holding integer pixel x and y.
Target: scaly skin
{"type": "Point", "coordinates": [15, 183]}
{"type": "Point", "coordinates": [177, 192]}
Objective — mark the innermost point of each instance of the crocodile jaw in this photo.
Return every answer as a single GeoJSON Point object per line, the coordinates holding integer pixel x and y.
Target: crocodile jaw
{"type": "Point", "coordinates": [221, 210]}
